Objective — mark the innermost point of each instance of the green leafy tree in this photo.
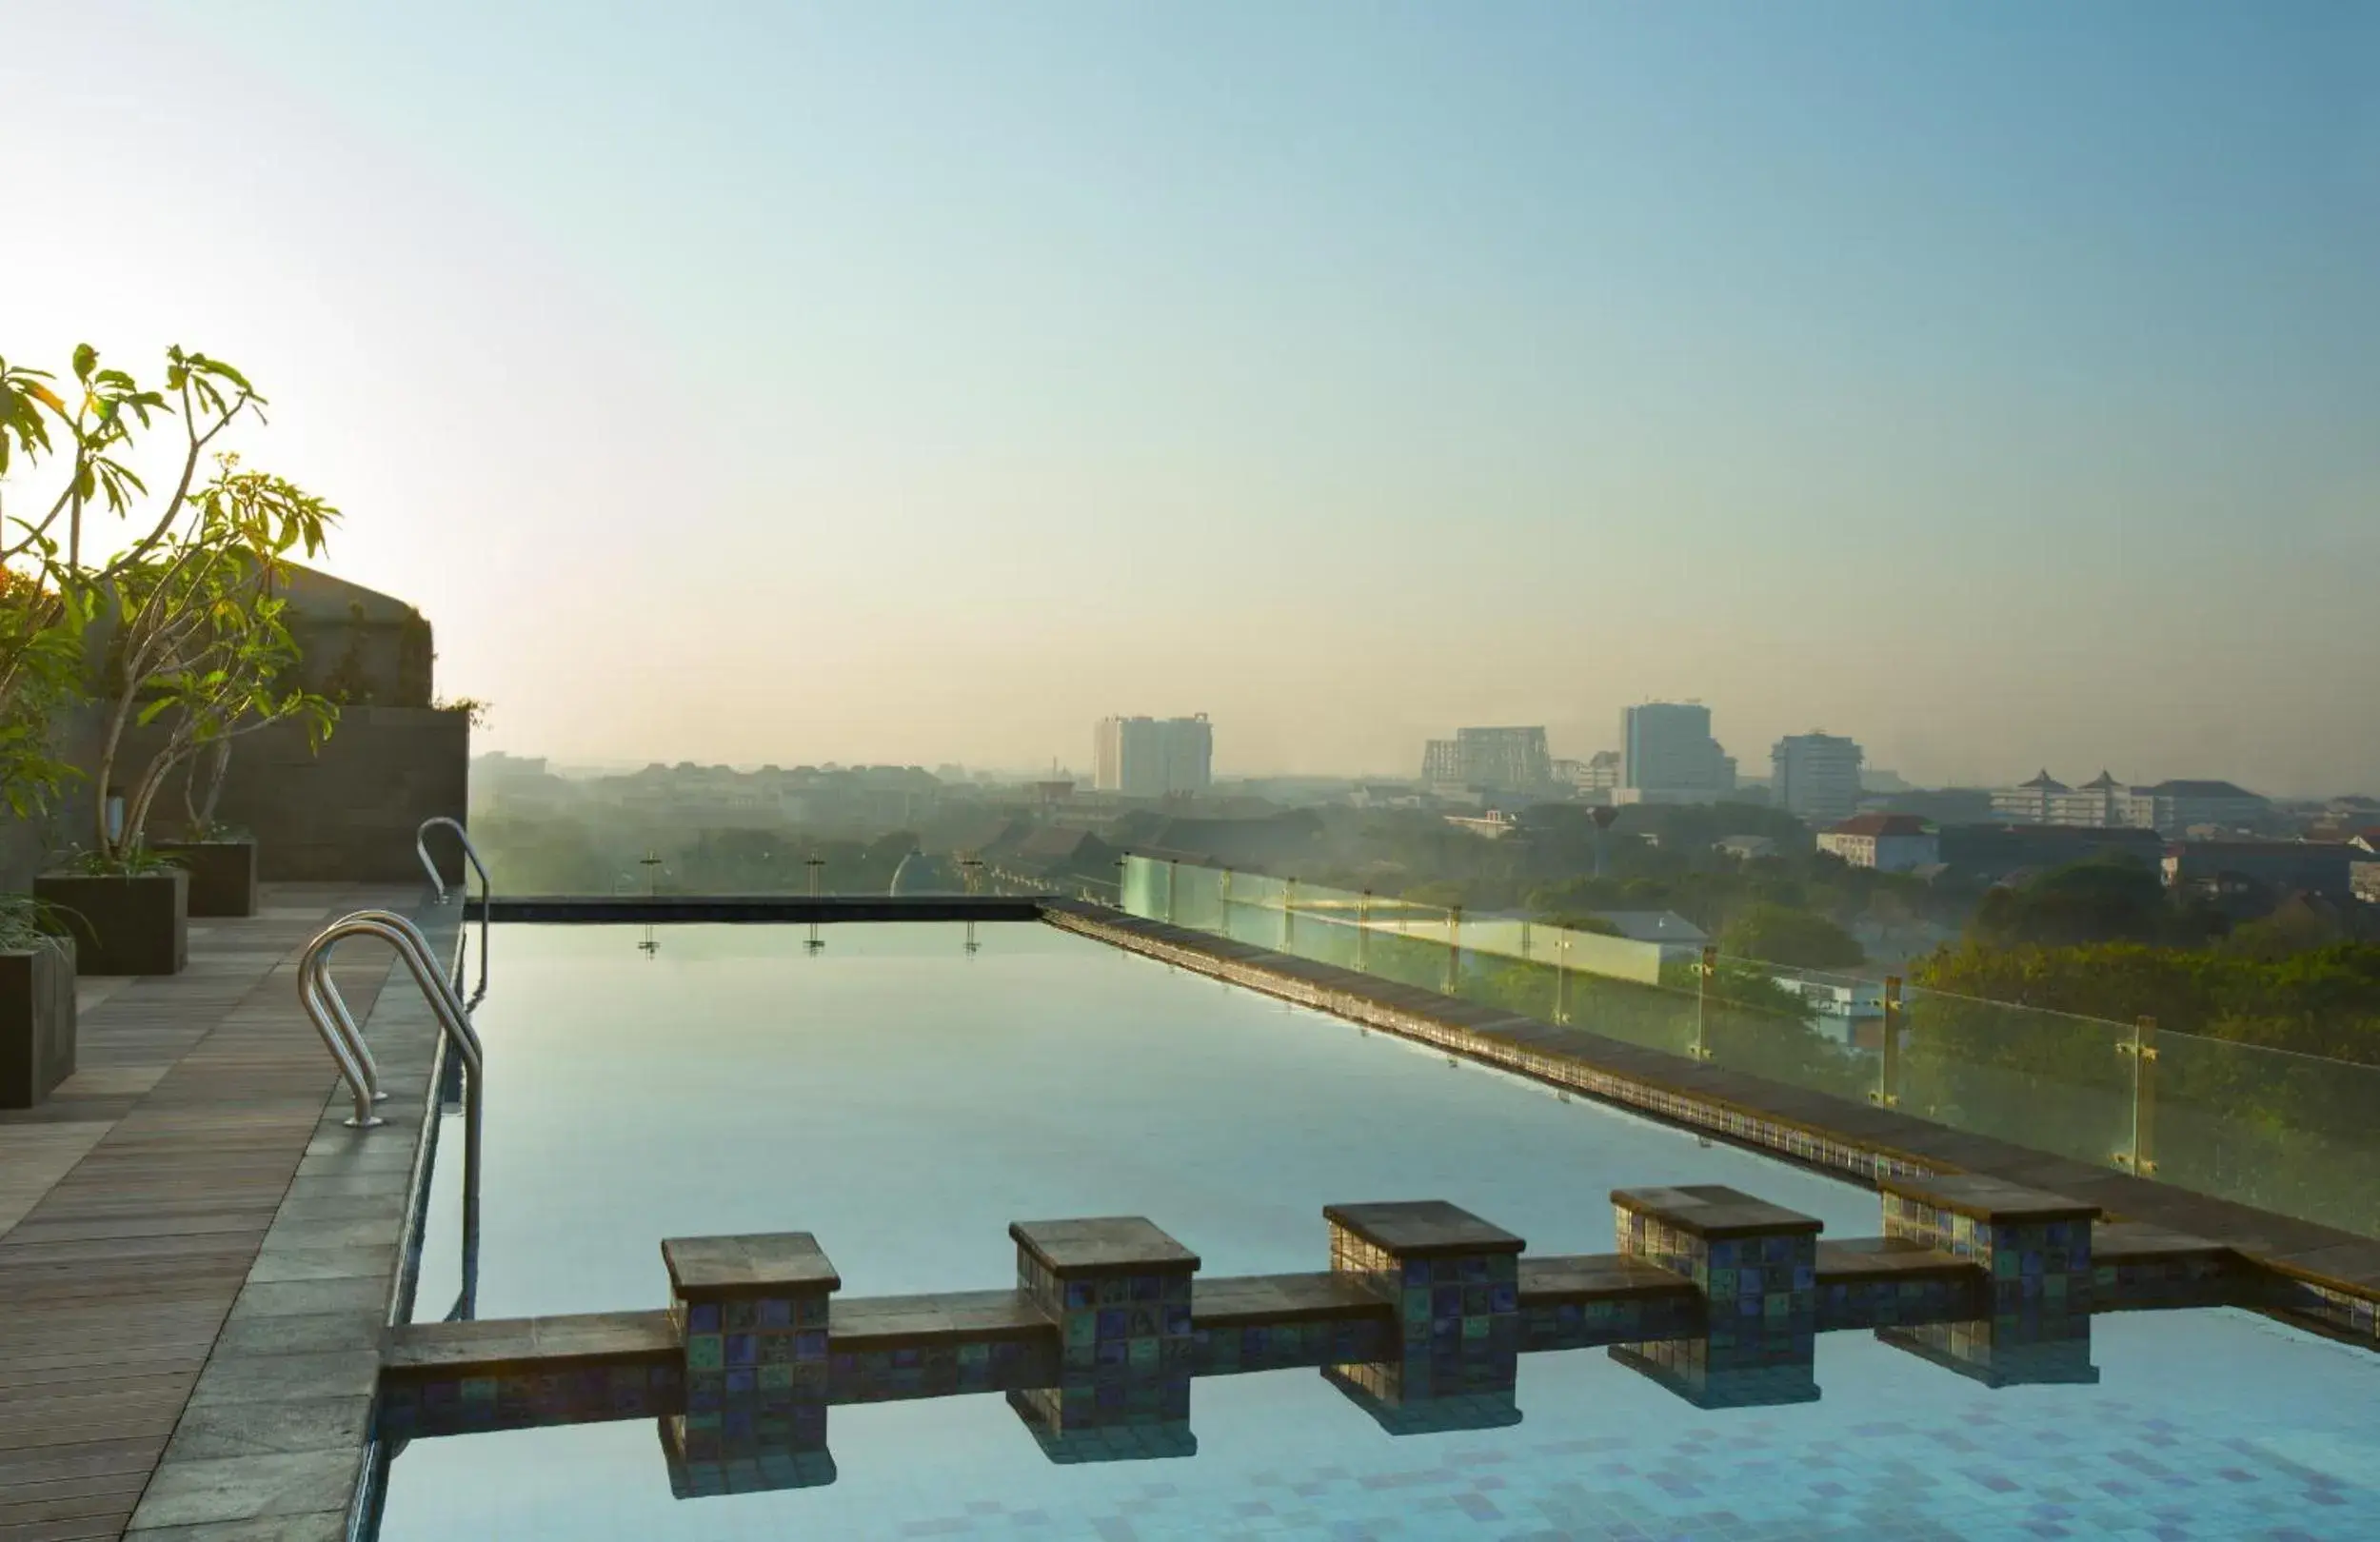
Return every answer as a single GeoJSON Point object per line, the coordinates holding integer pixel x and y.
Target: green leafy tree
{"type": "Point", "coordinates": [1774, 934]}
{"type": "Point", "coordinates": [182, 616]}
{"type": "Point", "coordinates": [2100, 900]}
{"type": "Point", "coordinates": [201, 644]}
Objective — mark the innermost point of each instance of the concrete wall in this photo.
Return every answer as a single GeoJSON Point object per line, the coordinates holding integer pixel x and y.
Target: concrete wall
{"type": "Point", "coordinates": [349, 812]}
{"type": "Point", "coordinates": [28, 846]}
{"type": "Point", "coordinates": [345, 815]}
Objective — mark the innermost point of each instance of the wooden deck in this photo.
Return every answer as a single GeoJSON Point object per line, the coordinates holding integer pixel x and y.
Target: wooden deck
{"type": "Point", "coordinates": [133, 1204]}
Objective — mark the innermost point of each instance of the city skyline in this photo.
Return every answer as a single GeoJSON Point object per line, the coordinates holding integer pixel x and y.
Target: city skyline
{"type": "Point", "coordinates": [1999, 390]}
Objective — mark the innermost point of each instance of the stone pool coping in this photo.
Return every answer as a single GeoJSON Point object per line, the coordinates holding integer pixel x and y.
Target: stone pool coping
{"type": "Point", "coordinates": [2318, 1276]}
{"type": "Point", "coordinates": [273, 1445]}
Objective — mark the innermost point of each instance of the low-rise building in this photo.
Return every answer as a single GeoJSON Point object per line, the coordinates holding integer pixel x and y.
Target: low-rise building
{"type": "Point", "coordinates": [2171, 807]}
{"type": "Point", "coordinates": [1676, 935]}
{"type": "Point", "coordinates": [1888, 842]}
{"type": "Point", "coordinates": [1993, 853]}
{"type": "Point", "coordinates": [2363, 869]}
{"type": "Point", "coordinates": [2182, 805]}
{"type": "Point", "coordinates": [2253, 876]}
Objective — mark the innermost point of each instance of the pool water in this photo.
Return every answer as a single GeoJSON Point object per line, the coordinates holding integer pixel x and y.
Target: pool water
{"type": "Point", "coordinates": [905, 1099]}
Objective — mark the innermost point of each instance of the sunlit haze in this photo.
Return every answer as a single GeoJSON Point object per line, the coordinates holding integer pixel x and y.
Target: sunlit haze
{"type": "Point", "coordinates": [1999, 385]}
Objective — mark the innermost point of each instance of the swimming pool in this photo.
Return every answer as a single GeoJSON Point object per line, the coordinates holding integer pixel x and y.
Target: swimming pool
{"type": "Point", "coordinates": [904, 1098]}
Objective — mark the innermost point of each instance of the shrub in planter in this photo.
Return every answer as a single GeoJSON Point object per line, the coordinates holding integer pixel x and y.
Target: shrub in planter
{"type": "Point", "coordinates": [222, 865]}
{"type": "Point", "coordinates": [128, 916]}
{"type": "Point", "coordinates": [36, 1004]}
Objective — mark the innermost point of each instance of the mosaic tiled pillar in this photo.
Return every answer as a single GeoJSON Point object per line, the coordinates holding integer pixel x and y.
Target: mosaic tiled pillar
{"type": "Point", "coordinates": [1453, 1282]}
{"type": "Point", "coordinates": [2034, 1247]}
{"type": "Point", "coordinates": [1755, 1267]}
{"type": "Point", "coordinates": [1117, 1289]}
{"type": "Point", "coordinates": [752, 1313]}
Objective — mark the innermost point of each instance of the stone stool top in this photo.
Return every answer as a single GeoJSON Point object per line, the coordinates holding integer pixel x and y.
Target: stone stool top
{"type": "Point", "coordinates": [1713, 1211]}
{"type": "Point", "coordinates": [1983, 1199]}
{"type": "Point", "coordinates": [1421, 1227]}
{"type": "Point", "coordinates": [1106, 1245]}
{"type": "Point", "coordinates": [775, 1263]}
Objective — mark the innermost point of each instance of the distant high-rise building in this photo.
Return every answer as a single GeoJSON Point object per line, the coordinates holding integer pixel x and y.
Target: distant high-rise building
{"type": "Point", "coordinates": [1511, 758]}
{"type": "Point", "coordinates": [1151, 757]}
{"type": "Point", "coordinates": [1668, 755]}
{"type": "Point", "coordinates": [1816, 777]}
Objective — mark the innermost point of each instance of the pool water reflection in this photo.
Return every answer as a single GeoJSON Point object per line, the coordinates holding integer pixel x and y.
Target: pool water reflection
{"type": "Point", "coordinates": [905, 1099]}
{"type": "Point", "coordinates": [2205, 1424]}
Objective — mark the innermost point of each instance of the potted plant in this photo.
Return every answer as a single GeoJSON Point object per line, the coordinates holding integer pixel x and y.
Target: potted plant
{"type": "Point", "coordinates": [41, 670]}
{"type": "Point", "coordinates": [37, 1003]}
{"type": "Point", "coordinates": [221, 858]}
{"type": "Point", "coordinates": [190, 637]}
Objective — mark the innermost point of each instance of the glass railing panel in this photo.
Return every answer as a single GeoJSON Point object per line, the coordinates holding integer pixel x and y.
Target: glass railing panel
{"type": "Point", "coordinates": [1791, 1026]}
{"type": "Point", "coordinates": [2044, 1079]}
{"type": "Point", "coordinates": [2291, 1133]}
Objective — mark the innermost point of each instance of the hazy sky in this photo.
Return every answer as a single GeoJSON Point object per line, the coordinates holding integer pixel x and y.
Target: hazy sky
{"type": "Point", "coordinates": [1996, 383]}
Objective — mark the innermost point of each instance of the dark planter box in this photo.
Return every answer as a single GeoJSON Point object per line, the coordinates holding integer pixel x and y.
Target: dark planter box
{"type": "Point", "coordinates": [124, 926]}
{"type": "Point", "coordinates": [223, 874]}
{"type": "Point", "coordinates": [36, 1022]}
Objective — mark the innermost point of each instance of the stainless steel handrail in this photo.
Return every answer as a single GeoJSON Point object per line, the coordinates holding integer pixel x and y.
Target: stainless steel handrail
{"type": "Point", "coordinates": [486, 886]}
{"type": "Point", "coordinates": [328, 1010]}
{"type": "Point", "coordinates": [345, 1044]}
{"type": "Point", "coordinates": [331, 1020]}
{"type": "Point", "coordinates": [421, 849]}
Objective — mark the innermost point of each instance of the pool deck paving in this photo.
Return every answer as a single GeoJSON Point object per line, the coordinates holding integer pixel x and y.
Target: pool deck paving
{"type": "Point", "coordinates": [193, 1267]}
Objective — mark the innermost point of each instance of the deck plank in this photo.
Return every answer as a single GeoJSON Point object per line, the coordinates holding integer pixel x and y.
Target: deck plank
{"type": "Point", "coordinates": [134, 1202]}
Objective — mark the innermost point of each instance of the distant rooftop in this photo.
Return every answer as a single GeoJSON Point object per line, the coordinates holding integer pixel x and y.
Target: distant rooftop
{"type": "Point", "coordinates": [1880, 824]}
{"type": "Point", "coordinates": [2197, 789]}
{"type": "Point", "coordinates": [1654, 927]}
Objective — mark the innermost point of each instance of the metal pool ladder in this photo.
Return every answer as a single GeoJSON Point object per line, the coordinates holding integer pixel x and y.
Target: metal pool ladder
{"type": "Point", "coordinates": [340, 1035]}
{"type": "Point", "coordinates": [486, 888]}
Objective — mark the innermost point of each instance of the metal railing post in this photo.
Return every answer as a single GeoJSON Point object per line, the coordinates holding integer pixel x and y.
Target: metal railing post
{"type": "Point", "coordinates": [2142, 1157]}
{"type": "Point", "coordinates": [1173, 878]}
{"type": "Point", "coordinates": [1454, 948]}
{"type": "Point", "coordinates": [1703, 971]}
{"type": "Point", "coordinates": [1288, 915]}
{"type": "Point", "coordinates": [1561, 977]}
{"type": "Point", "coordinates": [1888, 1084]}
{"type": "Point", "coordinates": [1363, 932]}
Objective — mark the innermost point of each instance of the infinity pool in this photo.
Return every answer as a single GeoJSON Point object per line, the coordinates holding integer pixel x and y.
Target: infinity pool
{"type": "Point", "coordinates": [904, 1098]}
